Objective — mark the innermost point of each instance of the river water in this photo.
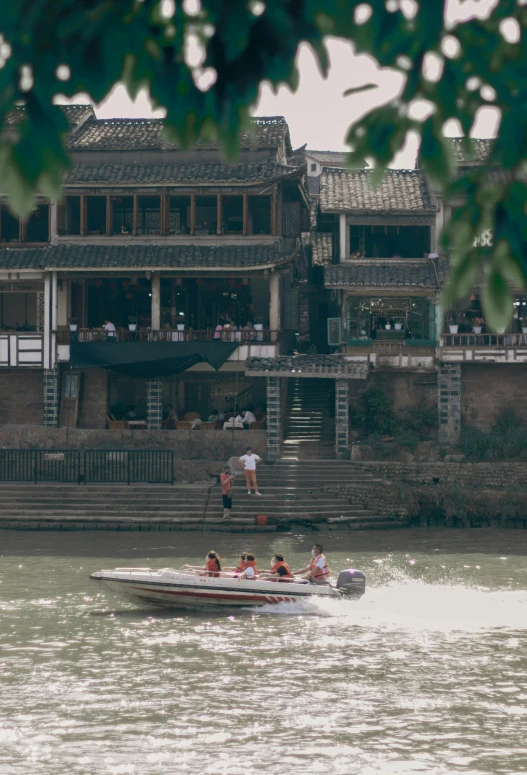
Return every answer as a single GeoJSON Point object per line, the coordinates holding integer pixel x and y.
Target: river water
{"type": "Point", "coordinates": [426, 674]}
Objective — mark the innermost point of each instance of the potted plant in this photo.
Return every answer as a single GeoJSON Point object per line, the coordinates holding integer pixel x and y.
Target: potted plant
{"type": "Point", "coordinates": [388, 325]}
{"type": "Point", "coordinates": [453, 321]}
{"type": "Point", "coordinates": [477, 325]}
{"type": "Point", "coordinates": [258, 326]}
{"type": "Point", "coordinates": [73, 325]}
{"type": "Point", "coordinates": [132, 323]}
{"type": "Point", "coordinates": [398, 326]}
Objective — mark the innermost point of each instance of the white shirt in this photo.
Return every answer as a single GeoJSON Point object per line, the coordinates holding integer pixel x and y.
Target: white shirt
{"type": "Point", "coordinates": [250, 461]}
{"type": "Point", "coordinates": [320, 563]}
{"type": "Point", "coordinates": [249, 573]}
{"type": "Point", "coordinates": [249, 417]}
{"type": "Point", "coordinates": [110, 329]}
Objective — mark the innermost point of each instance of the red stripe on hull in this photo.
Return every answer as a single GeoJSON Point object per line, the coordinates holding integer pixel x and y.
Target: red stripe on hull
{"type": "Point", "coordinates": [223, 596]}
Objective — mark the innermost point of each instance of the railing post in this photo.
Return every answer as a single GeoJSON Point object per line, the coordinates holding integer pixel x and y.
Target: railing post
{"type": "Point", "coordinates": [274, 416]}
{"type": "Point", "coordinates": [341, 418]}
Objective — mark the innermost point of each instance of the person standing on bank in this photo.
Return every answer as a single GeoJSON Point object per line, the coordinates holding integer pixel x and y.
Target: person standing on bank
{"type": "Point", "coordinates": [226, 479]}
{"type": "Point", "coordinates": [318, 569]}
{"type": "Point", "coordinates": [249, 464]}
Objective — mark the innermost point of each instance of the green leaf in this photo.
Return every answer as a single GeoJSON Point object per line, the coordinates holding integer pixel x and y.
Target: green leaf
{"type": "Point", "coordinates": [497, 301]}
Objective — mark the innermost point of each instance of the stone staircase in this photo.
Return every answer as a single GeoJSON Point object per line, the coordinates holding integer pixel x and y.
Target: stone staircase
{"type": "Point", "coordinates": [309, 422]}
{"type": "Point", "coordinates": [291, 495]}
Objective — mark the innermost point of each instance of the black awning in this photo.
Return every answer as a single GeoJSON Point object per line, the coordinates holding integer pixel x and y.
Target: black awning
{"type": "Point", "coordinates": [149, 359]}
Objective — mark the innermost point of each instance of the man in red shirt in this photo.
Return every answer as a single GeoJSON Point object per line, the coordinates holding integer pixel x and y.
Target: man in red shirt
{"type": "Point", "coordinates": [226, 490]}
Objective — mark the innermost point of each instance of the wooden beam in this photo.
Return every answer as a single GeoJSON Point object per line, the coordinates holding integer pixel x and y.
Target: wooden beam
{"type": "Point", "coordinates": [192, 214]}
{"type": "Point", "coordinates": [83, 215]}
{"type": "Point", "coordinates": [22, 230]}
{"type": "Point", "coordinates": [245, 214]}
{"type": "Point", "coordinates": [219, 214]}
{"type": "Point", "coordinates": [165, 209]}
{"type": "Point", "coordinates": [273, 211]}
{"type": "Point", "coordinates": [109, 224]}
{"type": "Point", "coordinates": [135, 222]}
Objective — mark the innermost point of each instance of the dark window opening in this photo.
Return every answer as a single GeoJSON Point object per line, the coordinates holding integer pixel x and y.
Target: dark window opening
{"type": "Point", "coordinates": [389, 241]}
{"type": "Point", "coordinates": [96, 214]}
{"type": "Point", "coordinates": [179, 215]}
{"type": "Point", "coordinates": [122, 215]}
{"type": "Point", "coordinates": [232, 214]}
{"type": "Point", "coordinates": [206, 215]}
{"type": "Point", "coordinates": [260, 214]}
{"type": "Point", "coordinates": [9, 227]}
{"type": "Point", "coordinates": [37, 228]}
{"type": "Point", "coordinates": [69, 216]}
{"type": "Point", "coordinates": [149, 215]}
{"type": "Point", "coordinates": [313, 168]}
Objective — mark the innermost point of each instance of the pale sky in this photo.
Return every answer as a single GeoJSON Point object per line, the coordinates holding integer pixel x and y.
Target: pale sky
{"type": "Point", "coordinates": [318, 113]}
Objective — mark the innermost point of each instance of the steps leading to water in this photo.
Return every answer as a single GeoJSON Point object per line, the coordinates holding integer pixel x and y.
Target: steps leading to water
{"type": "Point", "coordinates": [309, 428]}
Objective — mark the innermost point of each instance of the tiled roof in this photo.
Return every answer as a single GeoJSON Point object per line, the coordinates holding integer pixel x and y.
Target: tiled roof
{"type": "Point", "coordinates": [321, 248]}
{"type": "Point", "coordinates": [184, 173]}
{"type": "Point", "coordinates": [135, 133]}
{"type": "Point", "coordinates": [392, 273]}
{"type": "Point", "coordinates": [329, 158]}
{"type": "Point", "coordinates": [313, 185]}
{"type": "Point", "coordinates": [400, 191]}
{"type": "Point", "coordinates": [131, 256]}
{"type": "Point", "coordinates": [481, 150]}
{"type": "Point", "coordinates": [75, 114]}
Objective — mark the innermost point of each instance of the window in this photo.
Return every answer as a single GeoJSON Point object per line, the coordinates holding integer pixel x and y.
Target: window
{"type": "Point", "coordinates": [37, 227]}
{"type": "Point", "coordinates": [149, 215]}
{"type": "Point", "coordinates": [69, 216]}
{"type": "Point", "coordinates": [179, 215]}
{"type": "Point", "coordinates": [232, 214]}
{"type": "Point", "coordinates": [122, 215]}
{"type": "Point", "coordinates": [9, 226]}
{"type": "Point", "coordinates": [389, 241]}
{"type": "Point", "coordinates": [390, 319]}
{"type": "Point", "coordinates": [96, 214]}
{"type": "Point", "coordinates": [206, 215]}
{"type": "Point", "coordinates": [313, 168]}
{"type": "Point", "coordinates": [260, 214]}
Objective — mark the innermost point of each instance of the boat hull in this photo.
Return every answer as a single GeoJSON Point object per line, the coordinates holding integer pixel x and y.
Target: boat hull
{"type": "Point", "coordinates": [169, 589]}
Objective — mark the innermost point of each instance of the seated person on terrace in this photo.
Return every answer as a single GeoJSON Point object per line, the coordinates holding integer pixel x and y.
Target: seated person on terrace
{"type": "Point", "coordinates": [213, 416]}
{"type": "Point", "coordinates": [111, 331]}
{"type": "Point", "coordinates": [248, 418]}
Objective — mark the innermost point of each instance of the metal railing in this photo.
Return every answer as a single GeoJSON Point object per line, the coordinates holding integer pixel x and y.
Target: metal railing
{"type": "Point", "coordinates": [129, 466]}
{"type": "Point", "coordinates": [39, 465]}
{"type": "Point", "coordinates": [169, 335]}
{"type": "Point", "coordinates": [484, 340]}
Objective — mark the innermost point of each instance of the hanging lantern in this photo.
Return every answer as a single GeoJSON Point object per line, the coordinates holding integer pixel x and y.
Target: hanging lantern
{"type": "Point", "coordinates": [129, 295]}
{"type": "Point", "coordinates": [178, 281]}
{"type": "Point", "coordinates": [245, 281]}
{"type": "Point", "coordinates": [125, 283]}
{"type": "Point", "coordinates": [233, 283]}
{"type": "Point", "coordinates": [97, 283]}
{"type": "Point", "coordinates": [200, 282]}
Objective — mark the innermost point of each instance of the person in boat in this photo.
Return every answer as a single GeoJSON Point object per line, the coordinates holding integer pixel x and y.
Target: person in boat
{"type": "Point", "coordinates": [250, 571]}
{"type": "Point", "coordinates": [318, 569]}
{"type": "Point", "coordinates": [280, 570]}
{"type": "Point", "coordinates": [212, 565]}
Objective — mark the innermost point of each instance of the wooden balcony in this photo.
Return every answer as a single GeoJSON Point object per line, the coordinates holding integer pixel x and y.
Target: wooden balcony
{"type": "Point", "coordinates": [412, 354]}
{"type": "Point", "coordinates": [484, 348]}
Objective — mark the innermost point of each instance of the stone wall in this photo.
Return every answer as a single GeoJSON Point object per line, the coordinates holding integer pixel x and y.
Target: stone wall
{"type": "Point", "coordinates": [486, 389]}
{"type": "Point", "coordinates": [187, 445]}
{"type": "Point", "coordinates": [94, 399]}
{"type": "Point", "coordinates": [378, 497]}
{"type": "Point", "coordinates": [504, 475]}
{"type": "Point", "coordinates": [21, 396]}
{"type": "Point", "coordinates": [405, 389]}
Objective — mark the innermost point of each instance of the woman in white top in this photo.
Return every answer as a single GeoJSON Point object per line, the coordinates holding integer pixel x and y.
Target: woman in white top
{"type": "Point", "coordinates": [249, 464]}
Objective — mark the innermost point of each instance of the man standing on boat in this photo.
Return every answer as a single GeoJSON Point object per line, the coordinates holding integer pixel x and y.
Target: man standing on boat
{"type": "Point", "coordinates": [318, 569]}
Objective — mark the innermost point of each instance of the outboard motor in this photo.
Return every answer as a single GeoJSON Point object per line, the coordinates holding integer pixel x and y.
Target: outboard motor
{"type": "Point", "coordinates": [351, 582]}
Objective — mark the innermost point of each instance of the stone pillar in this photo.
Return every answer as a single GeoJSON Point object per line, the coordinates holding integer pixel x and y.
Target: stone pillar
{"type": "Point", "coordinates": [341, 418]}
{"type": "Point", "coordinates": [154, 404]}
{"type": "Point", "coordinates": [274, 416]}
{"type": "Point", "coordinates": [449, 402]}
{"type": "Point", "coordinates": [156, 302]}
{"type": "Point", "coordinates": [47, 321]}
{"type": "Point", "coordinates": [51, 397]}
{"type": "Point", "coordinates": [54, 319]}
{"type": "Point", "coordinates": [274, 305]}
{"type": "Point", "coordinates": [40, 311]}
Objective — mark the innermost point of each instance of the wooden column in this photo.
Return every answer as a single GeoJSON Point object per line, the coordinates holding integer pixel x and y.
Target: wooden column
{"type": "Point", "coordinates": [109, 224]}
{"type": "Point", "coordinates": [84, 215]}
{"type": "Point", "coordinates": [192, 214]}
{"type": "Point", "coordinates": [22, 230]}
{"type": "Point", "coordinates": [135, 222]}
{"type": "Point", "coordinates": [219, 215]}
{"type": "Point", "coordinates": [165, 205]}
{"type": "Point", "coordinates": [245, 214]}
{"type": "Point", "coordinates": [273, 211]}
{"type": "Point", "coordinates": [156, 302]}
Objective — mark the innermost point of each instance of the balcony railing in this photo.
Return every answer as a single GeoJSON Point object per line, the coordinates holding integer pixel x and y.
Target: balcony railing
{"type": "Point", "coordinates": [21, 349]}
{"type": "Point", "coordinates": [243, 337]}
{"type": "Point", "coordinates": [484, 340]}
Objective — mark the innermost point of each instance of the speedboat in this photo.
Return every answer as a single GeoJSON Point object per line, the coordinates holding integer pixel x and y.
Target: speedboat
{"type": "Point", "coordinates": [195, 589]}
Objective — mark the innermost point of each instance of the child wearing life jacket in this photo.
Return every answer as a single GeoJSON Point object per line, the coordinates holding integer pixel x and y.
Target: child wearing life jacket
{"type": "Point", "coordinates": [280, 570]}
{"type": "Point", "coordinates": [212, 564]}
{"type": "Point", "coordinates": [250, 571]}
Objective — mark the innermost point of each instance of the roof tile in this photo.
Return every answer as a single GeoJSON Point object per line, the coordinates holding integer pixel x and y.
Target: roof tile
{"type": "Point", "coordinates": [392, 273]}
{"type": "Point", "coordinates": [400, 191]}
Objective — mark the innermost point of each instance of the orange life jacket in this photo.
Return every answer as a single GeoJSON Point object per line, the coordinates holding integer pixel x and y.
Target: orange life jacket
{"type": "Point", "coordinates": [318, 573]}
{"type": "Point", "coordinates": [282, 564]}
{"type": "Point", "coordinates": [212, 567]}
{"type": "Point", "coordinates": [250, 564]}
